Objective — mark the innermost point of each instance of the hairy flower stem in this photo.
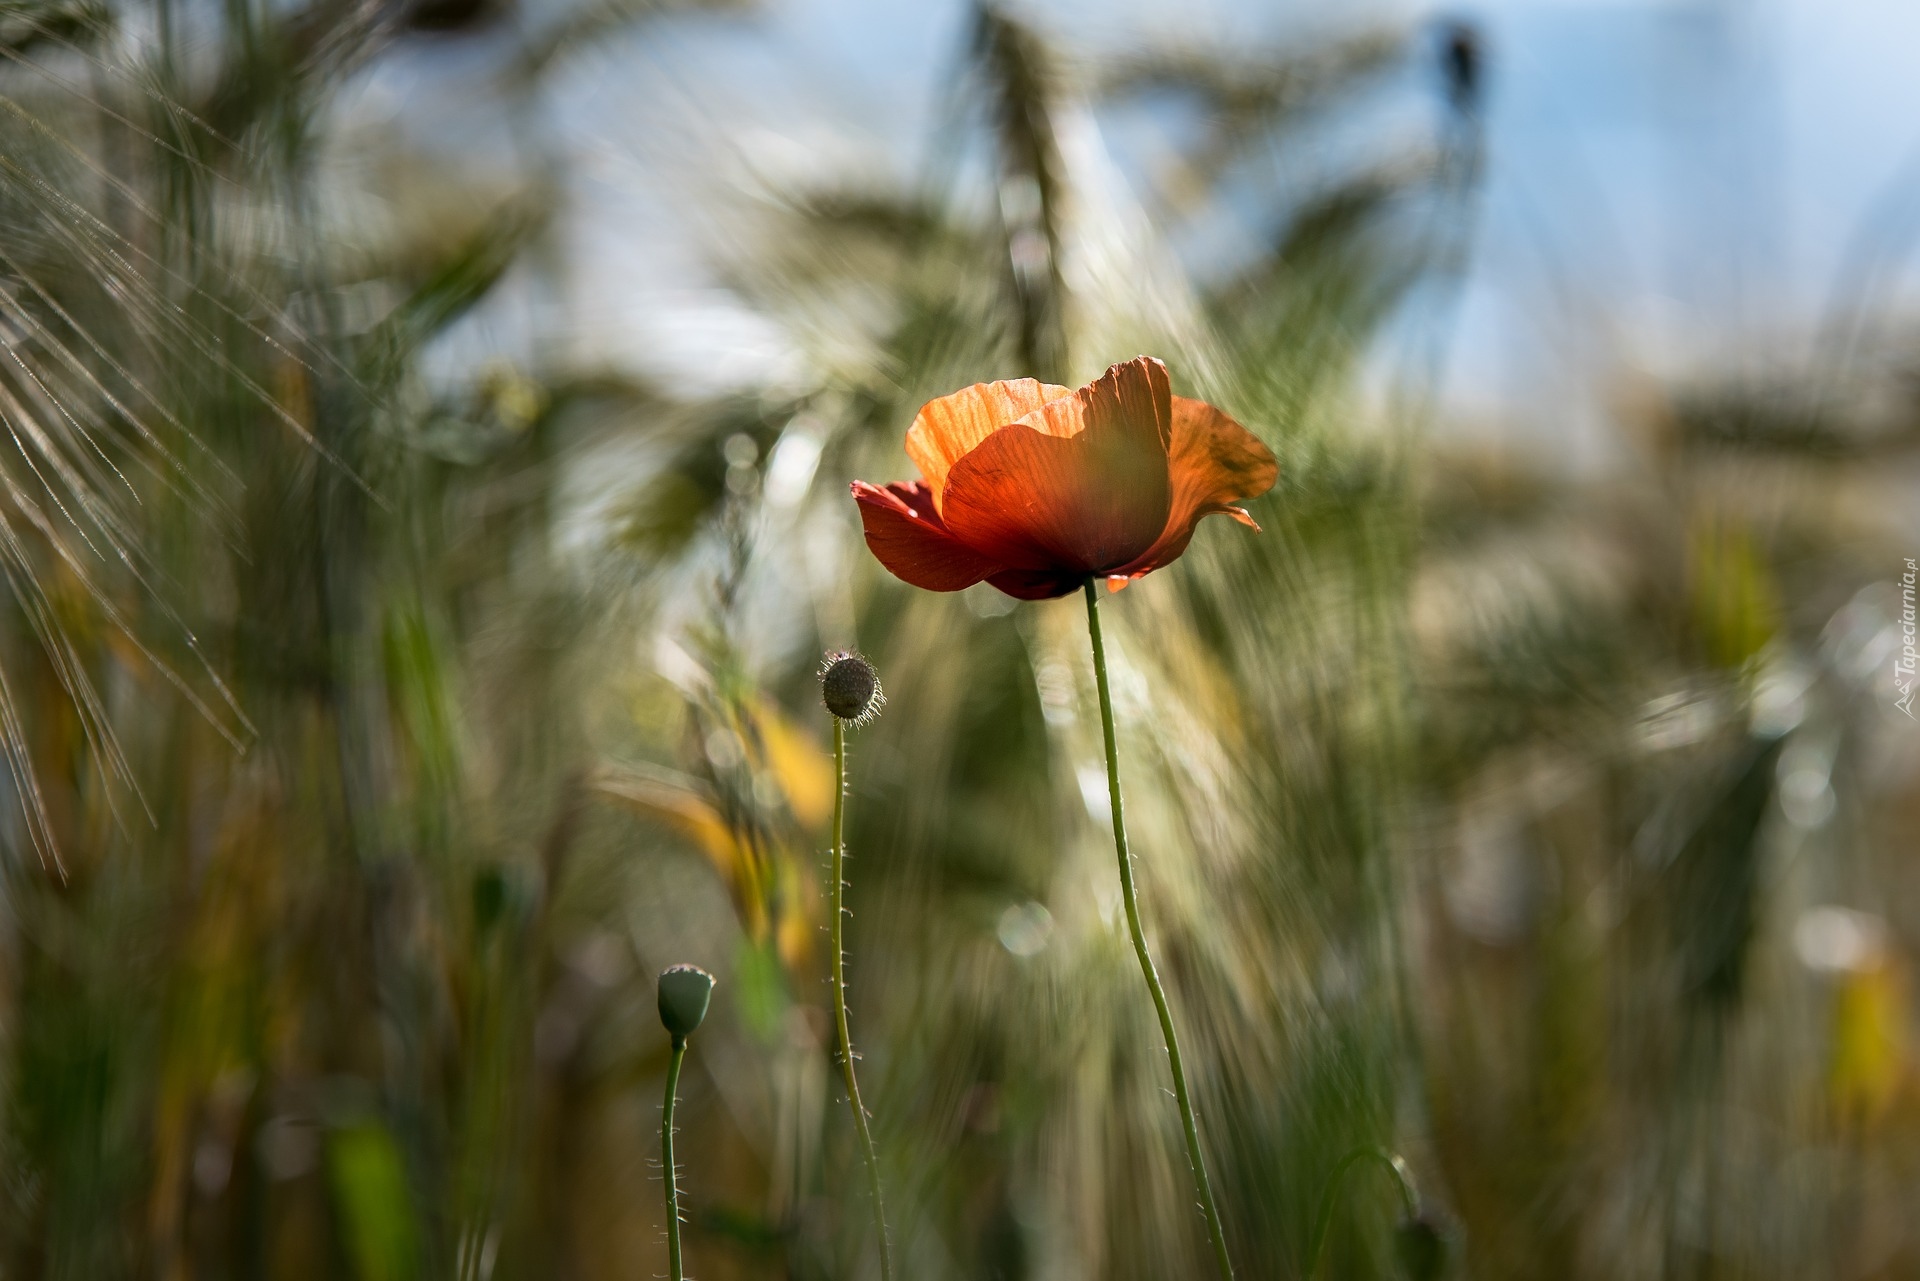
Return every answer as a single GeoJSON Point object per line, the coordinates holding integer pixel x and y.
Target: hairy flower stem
{"type": "Point", "coordinates": [666, 1161]}
{"type": "Point", "coordinates": [840, 994]}
{"type": "Point", "coordinates": [1132, 899]}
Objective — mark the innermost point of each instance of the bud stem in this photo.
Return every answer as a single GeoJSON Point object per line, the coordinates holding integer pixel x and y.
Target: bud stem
{"type": "Point", "coordinates": [845, 1038]}
{"type": "Point", "coordinates": [1132, 900]}
{"type": "Point", "coordinates": [1409, 1198]}
{"type": "Point", "coordinates": [666, 1161]}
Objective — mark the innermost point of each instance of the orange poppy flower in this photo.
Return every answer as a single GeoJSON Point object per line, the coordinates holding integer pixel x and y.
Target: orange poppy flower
{"type": "Point", "coordinates": [1036, 488]}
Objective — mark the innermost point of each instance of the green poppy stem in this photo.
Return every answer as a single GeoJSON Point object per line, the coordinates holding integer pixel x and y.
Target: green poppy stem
{"type": "Point", "coordinates": [666, 1161]}
{"type": "Point", "coordinates": [1409, 1197]}
{"type": "Point", "coordinates": [1194, 1157]}
{"type": "Point", "coordinates": [840, 995]}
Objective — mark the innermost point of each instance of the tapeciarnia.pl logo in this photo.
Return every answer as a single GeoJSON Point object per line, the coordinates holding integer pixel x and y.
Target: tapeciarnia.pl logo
{"type": "Point", "coordinates": [1903, 666]}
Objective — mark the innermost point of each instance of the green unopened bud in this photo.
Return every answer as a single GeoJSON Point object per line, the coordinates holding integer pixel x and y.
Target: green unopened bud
{"type": "Point", "coordinates": [1421, 1248]}
{"type": "Point", "coordinates": [850, 687]}
{"type": "Point", "coordinates": [685, 991]}
{"type": "Point", "coordinates": [489, 897]}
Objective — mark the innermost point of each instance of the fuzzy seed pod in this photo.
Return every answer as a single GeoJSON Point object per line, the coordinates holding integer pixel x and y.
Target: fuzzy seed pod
{"type": "Point", "coordinates": [684, 993]}
{"type": "Point", "coordinates": [850, 687]}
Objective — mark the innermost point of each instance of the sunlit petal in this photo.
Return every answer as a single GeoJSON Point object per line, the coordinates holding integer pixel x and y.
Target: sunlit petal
{"type": "Point", "coordinates": [1089, 493]}
{"type": "Point", "coordinates": [1136, 392]}
{"type": "Point", "coordinates": [946, 429]}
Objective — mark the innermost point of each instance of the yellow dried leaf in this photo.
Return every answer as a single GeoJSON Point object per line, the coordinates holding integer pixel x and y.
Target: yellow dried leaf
{"type": "Point", "coordinates": [799, 766]}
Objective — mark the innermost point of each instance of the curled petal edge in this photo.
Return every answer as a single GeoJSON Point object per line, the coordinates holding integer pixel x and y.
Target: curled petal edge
{"type": "Point", "coordinates": [1214, 464]}
{"type": "Point", "coordinates": [907, 536]}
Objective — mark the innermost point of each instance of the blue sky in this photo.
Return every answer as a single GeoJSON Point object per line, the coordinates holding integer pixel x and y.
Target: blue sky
{"type": "Point", "coordinates": [1672, 184]}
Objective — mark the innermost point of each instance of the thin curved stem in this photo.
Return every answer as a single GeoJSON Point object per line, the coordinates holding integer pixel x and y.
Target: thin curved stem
{"type": "Point", "coordinates": [1194, 1156]}
{"type": "Point", "coordinates": [672, 1177]}
{"type": "Point", "coordinates": [840, 995]}
{"type": "Point", "coordinates": [1409, 1196]}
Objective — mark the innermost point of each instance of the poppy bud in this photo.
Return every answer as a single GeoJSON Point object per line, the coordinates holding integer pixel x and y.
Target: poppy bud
{"type": "Point", "coordinates": [851, 688]}
{"type": "Point", "coordinates": [1421, 1248]}
{"type": "Point", "coordinates": [684, 993]}
{"type": "Point", "coordinates": [1461, 58]}
{"type": "Point", "coordinates": [489, 897]}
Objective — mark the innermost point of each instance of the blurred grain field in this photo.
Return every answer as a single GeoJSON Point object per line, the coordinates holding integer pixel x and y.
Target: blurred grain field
{"type": "Point", "coordinates": [381, 718]}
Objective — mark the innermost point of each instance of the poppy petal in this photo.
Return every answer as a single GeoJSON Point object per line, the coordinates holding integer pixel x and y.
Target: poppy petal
{"type": "Point", "coordinates": [1078, 487]}
{"type": "Point", "coordinates": [908, 537]}
{"type": "Point", "coordinates": [1134, 391]}
{"type": "Point", "coordinates": [1214, 462]}
{"type": "Point", "coordinates": [947, 429]}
